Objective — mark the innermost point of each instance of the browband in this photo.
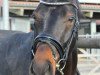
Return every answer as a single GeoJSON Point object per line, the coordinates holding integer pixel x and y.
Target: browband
{"type": "Point", "coordinates": [57, 3]}
{"type": "Point", "coordinates": [54, 3]}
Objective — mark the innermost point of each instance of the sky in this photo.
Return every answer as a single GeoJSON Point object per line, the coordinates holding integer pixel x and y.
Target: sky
{"type": "Point", "coordinates": [90, 1]}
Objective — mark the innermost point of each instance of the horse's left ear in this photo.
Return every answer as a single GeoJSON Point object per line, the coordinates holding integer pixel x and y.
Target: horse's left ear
{"type": "Point", "coordinates": [80, 14]}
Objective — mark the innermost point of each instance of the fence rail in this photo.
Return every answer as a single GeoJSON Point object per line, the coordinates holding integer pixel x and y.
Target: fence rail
{"type": "Point", "coordinates": [89, 41]}
{"type": "Point", "coordinates": [88, 64]}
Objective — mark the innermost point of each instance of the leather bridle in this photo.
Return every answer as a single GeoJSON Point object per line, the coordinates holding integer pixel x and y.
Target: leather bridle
{"type": "Point", "coordinates": [45, 38]}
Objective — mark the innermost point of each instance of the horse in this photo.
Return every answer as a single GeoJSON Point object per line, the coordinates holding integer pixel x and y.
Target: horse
{"type": "Point", "coordinates": [15, 52]}
{"type": "Point", "coordinates": [55, 51]}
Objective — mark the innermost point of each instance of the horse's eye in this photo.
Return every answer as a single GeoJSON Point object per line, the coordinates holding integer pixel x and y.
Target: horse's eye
{"type": "Point", "coordinates": [34, 17]}
{"type": "Point", "coordinates": [71, 19]}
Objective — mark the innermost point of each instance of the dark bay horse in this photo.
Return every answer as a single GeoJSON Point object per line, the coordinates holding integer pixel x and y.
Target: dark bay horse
{"type": "Point", "coordinates": [15, 52]}
{"type": "Point", "coordinates": [55, 49]}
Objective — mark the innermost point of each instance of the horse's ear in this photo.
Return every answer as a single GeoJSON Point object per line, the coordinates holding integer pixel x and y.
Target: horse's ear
{"type": "Point", "coordinates": [80, 13]}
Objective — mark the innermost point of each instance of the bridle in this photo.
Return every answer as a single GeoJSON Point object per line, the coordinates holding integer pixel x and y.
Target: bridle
{"type": "Point", "coordinates": [45, 38]}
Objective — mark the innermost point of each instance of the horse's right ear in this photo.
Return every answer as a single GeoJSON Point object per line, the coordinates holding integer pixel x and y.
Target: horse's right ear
{"type": "Point", "coordinates": [80, 13]}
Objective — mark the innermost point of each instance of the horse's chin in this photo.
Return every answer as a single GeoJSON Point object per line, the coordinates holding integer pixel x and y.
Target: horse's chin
{"type": "Point", "coordinates": [47, 73]}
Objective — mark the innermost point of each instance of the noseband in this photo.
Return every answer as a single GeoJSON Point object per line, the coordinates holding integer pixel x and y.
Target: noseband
{"type": "Point", "coordinates": [63, 51]}
{"type": "Point", "coordinates": [45, 38]}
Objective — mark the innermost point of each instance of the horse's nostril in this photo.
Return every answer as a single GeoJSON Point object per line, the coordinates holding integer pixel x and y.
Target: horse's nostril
{"type": "Point", "coordinates": [32, 71]}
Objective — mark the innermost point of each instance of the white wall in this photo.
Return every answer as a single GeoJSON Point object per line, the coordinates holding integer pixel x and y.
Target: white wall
{"type": "Point", "coordinates": [18, 24]}
{"type": "Point", "coordinates": [1, 24]}
{"type": "Point", "coordinates": [89, 1]}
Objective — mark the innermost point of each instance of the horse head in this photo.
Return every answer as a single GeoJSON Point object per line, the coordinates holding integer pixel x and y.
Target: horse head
{"type": "Point", "coordinates": [57, 23]}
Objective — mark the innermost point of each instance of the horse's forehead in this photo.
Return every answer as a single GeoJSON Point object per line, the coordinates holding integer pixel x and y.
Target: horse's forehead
{"type": "Point", "coordinates": [52, 10]}
{"type": "Point", "coordinates": [42, 9]}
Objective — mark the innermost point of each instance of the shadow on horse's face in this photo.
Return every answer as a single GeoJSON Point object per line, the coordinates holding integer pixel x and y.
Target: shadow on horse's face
{"type": "Point", "coordinates": [52, 22]}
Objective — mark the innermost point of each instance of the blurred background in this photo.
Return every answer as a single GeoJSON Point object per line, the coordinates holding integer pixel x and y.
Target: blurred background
{"type": "Point", "coordinates": [16, 15]}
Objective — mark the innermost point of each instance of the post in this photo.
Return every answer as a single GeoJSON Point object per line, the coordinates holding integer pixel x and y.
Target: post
{"type": "Point", "coordinates": [93, 32]}
{"type": "Point", "coordinates": [93, 27]}
{"type": "Point", "coordinates": [6, 14]}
